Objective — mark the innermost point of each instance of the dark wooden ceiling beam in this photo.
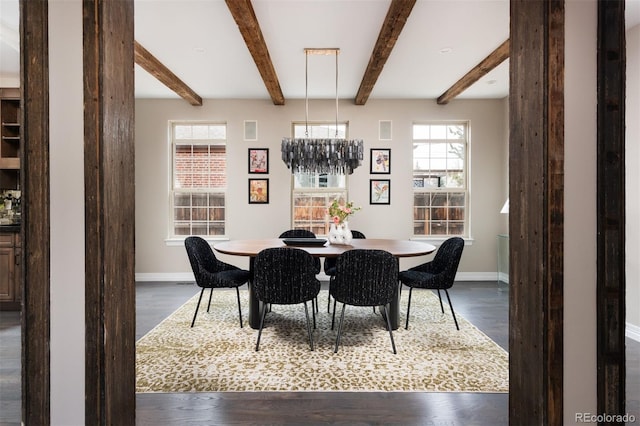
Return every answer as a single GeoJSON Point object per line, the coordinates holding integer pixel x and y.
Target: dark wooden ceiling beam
{"type": "Point", "coordinates": [157, 69]}
{"type": "Point", "coordinates": [397, 15]}
{"type": "Point", "coordinates": [483, 68]}
{"type": "Point", "coordinates": [245, 18]}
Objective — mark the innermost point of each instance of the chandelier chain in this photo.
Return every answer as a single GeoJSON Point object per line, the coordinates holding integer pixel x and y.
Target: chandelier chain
{"type": "Point", "coordinates": [321, 155]}
{"type": "Point", "coordinates": [306, 94]}
{"type": "Point", "coordinates": [336, 93]}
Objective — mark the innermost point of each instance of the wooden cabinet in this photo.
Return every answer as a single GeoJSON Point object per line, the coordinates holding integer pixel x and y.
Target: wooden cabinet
{"type": "Point", "coordinates": [10, 135]}
{"type": "Point", "coordinates": [10, 243]}
{"type": "Point", "coordinates": [10, 271]}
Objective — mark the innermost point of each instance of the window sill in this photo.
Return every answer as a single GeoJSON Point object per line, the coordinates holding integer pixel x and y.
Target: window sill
{"type": "Point", "coordinates": [468, 241]}
{"type": "Point", "coordinates": [179, 241]}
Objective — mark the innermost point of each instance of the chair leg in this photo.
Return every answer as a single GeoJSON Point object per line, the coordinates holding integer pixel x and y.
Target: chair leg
{"type": "Point", "coordinates": [406, 326]}
{"type": "Point", "coordinates": [451, 306]}
{"type": "Point", "coordinates": [239, 307]}
{"type": "Point", "coordinates": [210, 295]}
{"type": "Point", "coordinates": [264, 314]}
{"type": "Point", "coordinates": [197, 306]}
{"type": "Point", "coordinates": [333, 318]}
{"type": "Point", "coordinates": [335, 351]}
{"type": "Point", "coordinates": [386, 315]}
{"type": "Point", "coordinates": [440, 297]}
{"type": "Point", "coordinates": [306, 312]}
{"type": "Point", "coordinates": [313, 311]}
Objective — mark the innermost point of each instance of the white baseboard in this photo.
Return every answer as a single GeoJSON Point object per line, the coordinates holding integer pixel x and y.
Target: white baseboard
{"type": "Point", "coordinates": [165, 276]}
{"type": "Point", "coordinates": [632, 332]}
{"type": "Point", "coordinates": [478, 276]}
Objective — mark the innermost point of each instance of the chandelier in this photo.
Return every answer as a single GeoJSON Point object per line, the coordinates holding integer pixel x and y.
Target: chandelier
{"type": "Point", "coordinates": [321, 155]}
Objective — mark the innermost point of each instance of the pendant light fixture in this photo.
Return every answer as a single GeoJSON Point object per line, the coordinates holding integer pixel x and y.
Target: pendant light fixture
{"type": "Point", "coordinates": [321, 155]}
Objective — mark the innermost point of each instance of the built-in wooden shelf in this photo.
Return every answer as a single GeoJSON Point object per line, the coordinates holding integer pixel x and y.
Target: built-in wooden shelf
{"type": "Point", "coordinates": [10, 138]}
{"type": "Point", "coordinates": [10, 163]}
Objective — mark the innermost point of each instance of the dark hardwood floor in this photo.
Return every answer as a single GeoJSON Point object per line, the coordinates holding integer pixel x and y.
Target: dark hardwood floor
{"type": "Point", "coordinates": [482, 303]}
{"type": "Point", "coordinates": [10, 375]}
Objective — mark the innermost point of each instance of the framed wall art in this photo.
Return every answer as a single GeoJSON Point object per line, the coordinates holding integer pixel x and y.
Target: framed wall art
{"type": "Point", "coordinates": [380, 161]}
{"type": "Point", "coordinates": [258, 191]}
{"type": "Point", "coordinates": [258, 160]}
{"type": "Point", "coordinates": [379, 191]}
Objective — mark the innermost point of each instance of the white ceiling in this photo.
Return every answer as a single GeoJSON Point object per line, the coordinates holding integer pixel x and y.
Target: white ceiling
{"type": "Point", "coordinates": [200, 42]}
{"type": "Point", "coordinates": [415, 69]}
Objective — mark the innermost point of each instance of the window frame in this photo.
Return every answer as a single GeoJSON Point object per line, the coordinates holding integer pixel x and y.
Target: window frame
{"type": "Point", "coordinates": [211, 143]}
{"type": "Point", "coordinates": [327, 193]}
{"type": "Point", "coordinates": [426, 218]}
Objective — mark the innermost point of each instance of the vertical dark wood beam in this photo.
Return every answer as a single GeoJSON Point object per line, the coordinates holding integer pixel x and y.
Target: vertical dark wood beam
{"type": "Point", "coordinates": [109, 212]}
{"type": "Point", "coordinates": [397, 15]}
{"type": "Point", "coordinates": [611, 208]}
{"type": "Point", "coordinates": [554, 216]}
{"type": "Point", "coordinates": [34, 181]}
{"type": "Point", "coordinates": [536, 151]}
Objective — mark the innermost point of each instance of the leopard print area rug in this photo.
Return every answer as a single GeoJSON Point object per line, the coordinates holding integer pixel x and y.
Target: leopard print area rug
{"type": "Point", "coordinates": [216, 355]}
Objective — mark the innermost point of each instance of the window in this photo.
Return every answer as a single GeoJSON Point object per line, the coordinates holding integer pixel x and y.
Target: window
{"type": "Point", "coordinates": [199, 179]}
{"type": "Point", "coordinates": [440, 191]}
{"type": "Point", "coordinates": [313, 192]}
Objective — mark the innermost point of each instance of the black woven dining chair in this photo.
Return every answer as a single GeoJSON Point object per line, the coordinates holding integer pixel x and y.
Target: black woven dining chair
{"type": "Point", "coordinates": [285, 276]}
{"type": "Point", "coordinates": [210, 272]}
{"type": "Point", "coordinates": [302, 233]}
{"type": "Point", "coordinates": [305, 233]}
{"type": "Point", "coordinates": [330, 264]}
{"type": "Point", "coordinates": [439, 274]}
{"type": "Point", "coordinates": [364, 277]}
{"type": "Point", "coordinates": [297, 233]}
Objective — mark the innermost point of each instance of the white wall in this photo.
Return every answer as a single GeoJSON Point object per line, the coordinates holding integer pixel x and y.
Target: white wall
{"type": "Point", "coordinates": [580, 210]}
{"type": "Point", "coordinates": [488, 175]}
{"type": "Point", "coordinates": [67, 212]}
{"type": "Point", "coordinates": [11, 81]}
{"type": "Point", "coordinates": [632, 158]}
{"type": "Point", "coordinates": [505, 170]}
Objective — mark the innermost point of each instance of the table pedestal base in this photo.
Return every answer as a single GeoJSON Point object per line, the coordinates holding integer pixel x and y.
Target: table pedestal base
{"type": "Point", "coordinates": [255, 307]}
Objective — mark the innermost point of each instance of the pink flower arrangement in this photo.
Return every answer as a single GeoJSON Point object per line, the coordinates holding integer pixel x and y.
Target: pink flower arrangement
{"type": "Point", "coordinates": [339, 213]}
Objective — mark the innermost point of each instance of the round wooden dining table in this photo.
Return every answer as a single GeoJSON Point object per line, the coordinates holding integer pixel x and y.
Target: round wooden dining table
{"type": "Point", "coordinates": [251, 248]}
